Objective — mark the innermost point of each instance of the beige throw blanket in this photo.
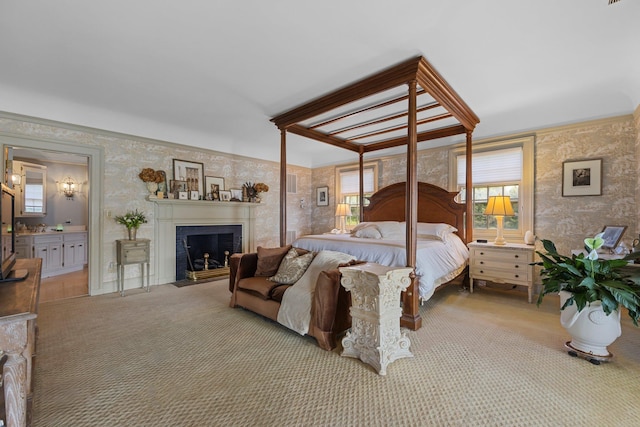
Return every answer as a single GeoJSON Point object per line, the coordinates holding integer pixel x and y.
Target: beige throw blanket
{"type": "Point", "coordinates": [295, 309]}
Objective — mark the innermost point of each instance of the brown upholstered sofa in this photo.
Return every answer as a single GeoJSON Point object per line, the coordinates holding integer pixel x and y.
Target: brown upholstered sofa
{"type": "Point", "coordinates": [251, 289]}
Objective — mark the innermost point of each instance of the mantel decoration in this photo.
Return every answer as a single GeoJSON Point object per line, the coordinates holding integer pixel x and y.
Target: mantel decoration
{"type": "Point", "coordinates": [151, 178]}
{"type": "Point", "coordinates": [132, 220]}
{"type": "Point", "coordinates": [591, 292]}
{"type": "Point", "coordinates": [251, 192]}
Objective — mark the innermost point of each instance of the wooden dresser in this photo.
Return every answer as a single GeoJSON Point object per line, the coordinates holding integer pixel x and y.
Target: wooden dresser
{"type": "Point", "coordinates": [18, 312]}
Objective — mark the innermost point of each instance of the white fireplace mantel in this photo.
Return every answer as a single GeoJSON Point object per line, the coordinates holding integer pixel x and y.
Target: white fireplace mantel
{"type": "Point", "coordinates": [171, 213]}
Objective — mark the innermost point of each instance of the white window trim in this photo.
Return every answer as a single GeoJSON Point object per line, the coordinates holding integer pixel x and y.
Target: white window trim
{"type": "Point", "coordinates": [526, 211]}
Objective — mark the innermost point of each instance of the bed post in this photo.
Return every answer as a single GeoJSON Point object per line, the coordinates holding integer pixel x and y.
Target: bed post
{"type": "Point", "coordinates": [410, 315]}
{"type": "Point", "coordinates": [283, 187]}
{"type": "Point", "coordinates": [468, 235]}
{"type": "Point", "coordinates": [361, 157]}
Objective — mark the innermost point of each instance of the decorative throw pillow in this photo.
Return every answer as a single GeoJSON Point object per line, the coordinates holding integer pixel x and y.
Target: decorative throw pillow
{"type": "Point", "coordinates": [269, 260]}
{"type": "Point", "coordinates": [292, 267]}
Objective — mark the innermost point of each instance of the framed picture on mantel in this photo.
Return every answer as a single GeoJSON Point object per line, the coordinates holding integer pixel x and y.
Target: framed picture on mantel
{"type": "Point", "coordinates": [191, 172]}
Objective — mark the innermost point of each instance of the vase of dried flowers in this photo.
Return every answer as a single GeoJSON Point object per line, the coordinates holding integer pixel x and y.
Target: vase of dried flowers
{"type": "Point", "coordinates": [260, 188]}
{"type": "Point", "coordinates": [151, 178]}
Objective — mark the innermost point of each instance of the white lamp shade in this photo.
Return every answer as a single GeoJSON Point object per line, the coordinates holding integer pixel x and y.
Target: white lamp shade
{"type": "Point", "coordinates": [499, 205]}
{"type": "Point", "coordinates": [343, 209]}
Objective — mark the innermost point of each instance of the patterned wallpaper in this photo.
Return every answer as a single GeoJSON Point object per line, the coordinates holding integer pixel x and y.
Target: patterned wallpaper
{"type": "Point", "coordinates": [565, 220]}
{"type": "Point", "coordinates": [125, 157]}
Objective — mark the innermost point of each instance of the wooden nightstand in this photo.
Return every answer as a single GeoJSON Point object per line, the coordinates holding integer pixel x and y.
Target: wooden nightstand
{"type": "Point", "coordinates": [508, 263]}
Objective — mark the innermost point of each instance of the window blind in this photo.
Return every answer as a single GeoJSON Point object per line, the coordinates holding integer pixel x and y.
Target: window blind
{"type": "Point", "coordinates": [350, 181]}
{"type": "Point", "coordinates": [492, 166]}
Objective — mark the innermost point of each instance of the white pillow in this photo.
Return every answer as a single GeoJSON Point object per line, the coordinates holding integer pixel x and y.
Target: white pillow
{"type": "Point", "coordinates": [391, 230]}
{"type": "Point", "coordinates": [369, 232]}
{"type": "Point", "coordinates": [435, 231]}
{"type": "Point", "coordinates": [360, 227]}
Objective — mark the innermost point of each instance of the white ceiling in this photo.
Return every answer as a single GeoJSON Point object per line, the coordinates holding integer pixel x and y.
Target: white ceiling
{"type": "Point", "coordinates": [211, 73]}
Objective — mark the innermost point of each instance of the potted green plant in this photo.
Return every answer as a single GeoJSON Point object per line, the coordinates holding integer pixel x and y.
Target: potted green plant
{"type": "Point", "coordinates": [132, 220]}
{"type": "Point", "coordinates": [592, 290]}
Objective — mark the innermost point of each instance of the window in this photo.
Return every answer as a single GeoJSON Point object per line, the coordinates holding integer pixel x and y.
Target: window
{"type": "Point", "coordinates": [348, 188]}
{"type": "Point", "coordinates": [499, 169]}
{"type": "Point", "coordinates": [33, 198]}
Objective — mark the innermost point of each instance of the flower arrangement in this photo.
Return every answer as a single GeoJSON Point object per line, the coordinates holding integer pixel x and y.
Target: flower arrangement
{"type": "Point", "coordinates": [131, 219]}
{"type": "Point", "coordinates": [589, 279]}
{"type": "Point", "coordinates": [150, 175]}
{"type": "Point", "coordinates": [261, 187]}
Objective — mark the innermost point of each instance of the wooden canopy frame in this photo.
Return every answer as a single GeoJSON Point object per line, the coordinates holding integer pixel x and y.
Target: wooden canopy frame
{"type": "Point", "coordinates": [402, 105]}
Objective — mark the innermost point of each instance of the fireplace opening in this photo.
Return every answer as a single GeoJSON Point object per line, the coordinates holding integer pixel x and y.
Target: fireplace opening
{"type": "Point", "coordinates": [207, 246]}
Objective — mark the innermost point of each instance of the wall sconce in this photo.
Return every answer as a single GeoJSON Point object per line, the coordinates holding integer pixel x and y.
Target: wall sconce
{"type": "Point", "coordinates": [499, 206]}
{"type": "Point", "coordinates": [67, 187]}
{"type": "Point", "coordinates": [343, 210]}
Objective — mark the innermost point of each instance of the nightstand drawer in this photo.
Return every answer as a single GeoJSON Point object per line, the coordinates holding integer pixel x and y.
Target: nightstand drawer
{"type": "Point", "coordinates": [499, 264]}
{"type": "Point", "coordinates": [501, 275]}
{"type": "Point", "coordinates": [502, 255]}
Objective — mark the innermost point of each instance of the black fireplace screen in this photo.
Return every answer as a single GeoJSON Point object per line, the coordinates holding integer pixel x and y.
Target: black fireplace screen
{"type": "Point", "coordinates": [193, 242]}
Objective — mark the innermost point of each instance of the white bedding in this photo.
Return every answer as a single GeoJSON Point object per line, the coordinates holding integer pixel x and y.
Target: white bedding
{"type": "Point", "coordinates": [437, 261]}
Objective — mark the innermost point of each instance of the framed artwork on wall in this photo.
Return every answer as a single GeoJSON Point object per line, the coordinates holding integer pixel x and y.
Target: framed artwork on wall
{"type": "Point", "coordinates": [322, 196]}
{"type": "Point", "coordinates": [191, 172]}
{"type": "Point", "coordinates": [582, 178]}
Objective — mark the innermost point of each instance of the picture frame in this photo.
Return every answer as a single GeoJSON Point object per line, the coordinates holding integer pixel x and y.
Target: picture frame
{"type": "Point", "coordinates": [225, 195]}
{"type": "Point", "coordinates": [177, 186]}
{"type": "Point", "coordinates": [194, 195]}
{"type": "Point", "coordinates": [236, 194]}
{"type": "Point", "coordinates": [322, 196]}
{"type": "Point", "coordinates": [183, 195]}
{"type": "Point", "coordinates": [582, 178]}
{"type": "Point", "coordinates": [612, 235]}
{"type": "Point", "coordinates": [191, 172]}
{"type": "Point", "coordinates": [209, 181]}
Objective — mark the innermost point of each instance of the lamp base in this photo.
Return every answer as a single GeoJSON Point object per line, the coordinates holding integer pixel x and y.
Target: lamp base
{"type": "Point", "coordinates": [499, 239]}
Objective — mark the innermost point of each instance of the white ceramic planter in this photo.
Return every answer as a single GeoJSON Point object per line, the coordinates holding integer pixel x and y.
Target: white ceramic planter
{"type": "Point", "coordinates": [591, 329]}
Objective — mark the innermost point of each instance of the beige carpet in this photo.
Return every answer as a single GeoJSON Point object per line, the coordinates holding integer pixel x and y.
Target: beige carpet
{"type": "Point", "coordinates": [182, 357]}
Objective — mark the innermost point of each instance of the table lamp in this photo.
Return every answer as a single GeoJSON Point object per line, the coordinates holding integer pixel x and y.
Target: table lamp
{"type": "Point", "coordinates": [343, 210]}
{"type": "Point", "coordinates": [499, 206]}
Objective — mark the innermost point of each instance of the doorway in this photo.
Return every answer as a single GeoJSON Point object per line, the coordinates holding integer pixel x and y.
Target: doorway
{"type": "Point", "coordinates": [84, 164]}
{"type": "Point", "coordinates": [54, 209]}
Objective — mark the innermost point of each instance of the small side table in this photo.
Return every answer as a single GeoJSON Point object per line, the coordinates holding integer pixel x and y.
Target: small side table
{"type": "Point", "coordinates": [132, 252]}
{"type": "Point", "coordinates": [375, 336]}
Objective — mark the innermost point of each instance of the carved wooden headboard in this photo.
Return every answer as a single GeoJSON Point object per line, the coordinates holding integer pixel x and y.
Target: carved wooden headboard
{"type": "Point", "coordinates": [435, 204]}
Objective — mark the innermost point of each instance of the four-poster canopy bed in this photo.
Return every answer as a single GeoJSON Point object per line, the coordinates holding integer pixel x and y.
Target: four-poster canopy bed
{"type": "Point", "coordinates": [402, 105]}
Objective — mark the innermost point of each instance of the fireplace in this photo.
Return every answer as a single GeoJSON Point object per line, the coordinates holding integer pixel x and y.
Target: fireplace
{"type": "Point", "coordinates": [169, 214]}
{"type": "Point", "coordinates": [196, 244]}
